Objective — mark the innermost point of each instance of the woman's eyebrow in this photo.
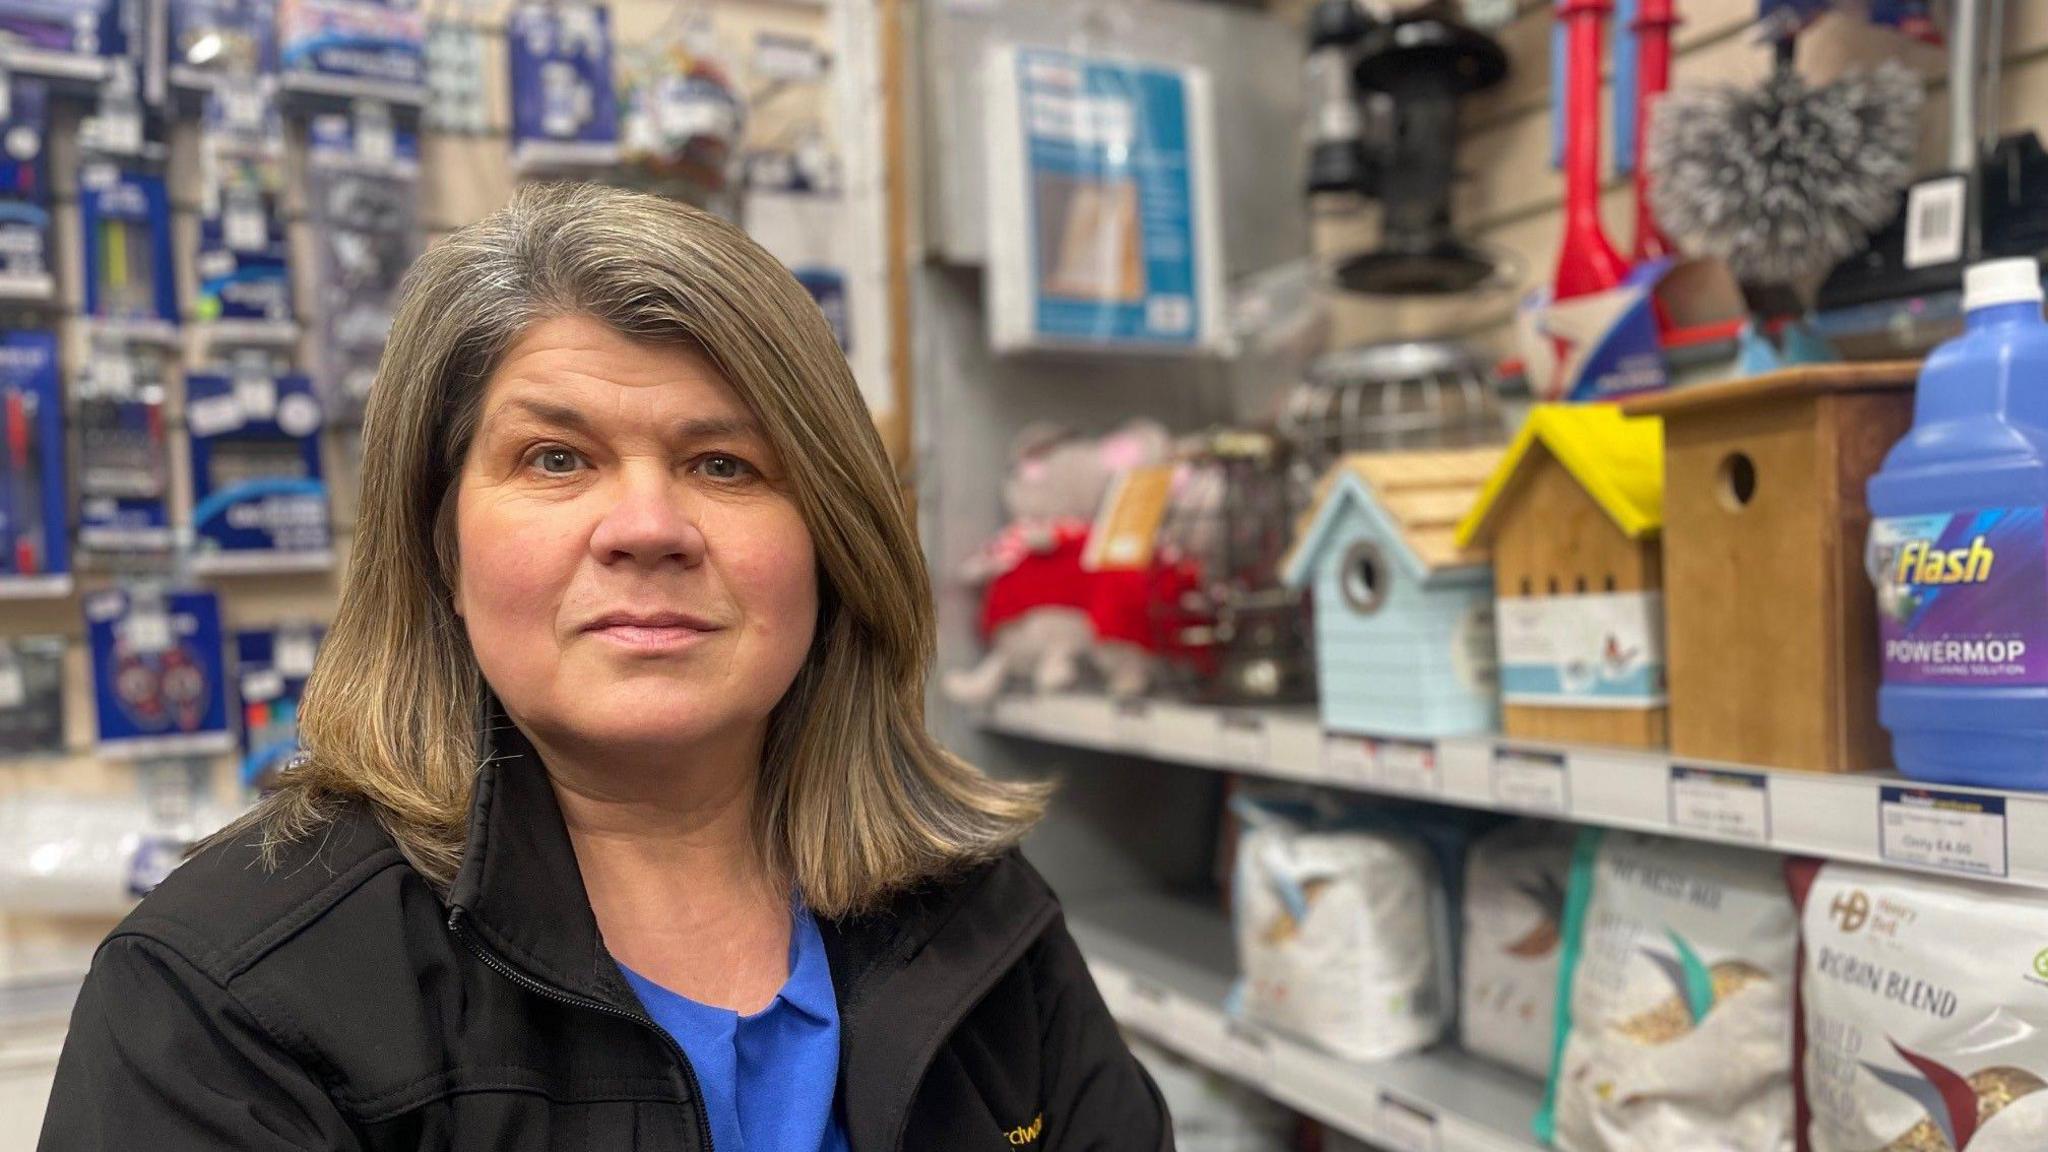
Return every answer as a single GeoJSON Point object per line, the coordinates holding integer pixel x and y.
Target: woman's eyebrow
{"type": "Point", "coordinates": [567, 416]}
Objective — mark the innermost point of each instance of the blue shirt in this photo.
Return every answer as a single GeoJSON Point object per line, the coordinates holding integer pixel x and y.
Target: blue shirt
{"type": "Point", "coordinates": [769, 1078]}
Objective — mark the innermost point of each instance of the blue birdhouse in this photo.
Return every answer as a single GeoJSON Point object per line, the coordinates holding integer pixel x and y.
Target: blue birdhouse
{"type": "Point", "coordinates": [1403, 615]}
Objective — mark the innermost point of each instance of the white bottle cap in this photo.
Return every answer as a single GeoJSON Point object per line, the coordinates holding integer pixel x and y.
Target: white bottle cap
{"type": "Point", "coordinates": [2015, 281]}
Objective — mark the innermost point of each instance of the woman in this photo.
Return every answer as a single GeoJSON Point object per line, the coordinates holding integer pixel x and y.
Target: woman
{"type": "Point", "coordinates": [618, 825]}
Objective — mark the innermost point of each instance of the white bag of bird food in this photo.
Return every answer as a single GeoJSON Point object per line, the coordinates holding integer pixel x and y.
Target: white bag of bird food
{"type": "Point", "coordinates": [1926, 1012]}
{"type": "Point", "coordinates": [1342, 932]}
{"type": "Point", "coordinates": [1515, 883]}
{"type": "Point", "coordinates": [1675, 1000]}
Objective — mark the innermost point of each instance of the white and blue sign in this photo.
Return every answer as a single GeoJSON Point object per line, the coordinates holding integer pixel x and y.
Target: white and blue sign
{"type": "Point", "coordinates": [1109, 163]}
{"type": "Point", "coordinates": [1600, 650]}
{"type": "Point", "coordinates": [158, 683]}
{"type": "Point", "coordinates": [258, 497]}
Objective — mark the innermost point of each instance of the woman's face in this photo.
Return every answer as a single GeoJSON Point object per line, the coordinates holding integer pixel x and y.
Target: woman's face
{"type": "Point", "coordinates": [634, 573]}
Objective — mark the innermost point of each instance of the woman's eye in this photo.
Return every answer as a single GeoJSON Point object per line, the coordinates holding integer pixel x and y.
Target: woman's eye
{"type": "Point", "coordinates": [720, 467]}
{"type": "Point", "coordinates": [556, 461]}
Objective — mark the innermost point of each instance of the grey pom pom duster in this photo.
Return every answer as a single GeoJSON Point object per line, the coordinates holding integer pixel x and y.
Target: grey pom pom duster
{"type": "Point", "coordinates": [1785, 180]}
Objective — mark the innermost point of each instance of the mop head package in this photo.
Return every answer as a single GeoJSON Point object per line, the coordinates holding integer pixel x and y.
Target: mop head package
{"type": "Point", "coordinates": [1674, 1008]}
{"type": "Point", "coordinates": [1111, 167]}
{"type": "Point", "coordinates": [34, 537]}
{"type": "Point", "coordinates": [1343, 932]}
{"type": "Point", "coordinates": [1513, 940]}
{"type": "Point", "coordinates": [1925, 1012]}
{"type": "Point", "coordinates": [259, 501]}
{"type": "Point", "coordinates": [564, 108]}
{"type": "Point", "coordinates": [157, 673]}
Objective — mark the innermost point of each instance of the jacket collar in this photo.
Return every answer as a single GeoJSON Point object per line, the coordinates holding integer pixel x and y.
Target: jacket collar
{"type": "Point", "coordinates": [904, 976]}
{"type": "Point", "coordinates": [519, 888]}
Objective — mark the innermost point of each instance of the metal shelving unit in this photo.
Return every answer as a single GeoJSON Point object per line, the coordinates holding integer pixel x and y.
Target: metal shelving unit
{"type": "Point", "coordinates": [1165, 968]}
{"type": "Point", "coordinates": [1871, 817]}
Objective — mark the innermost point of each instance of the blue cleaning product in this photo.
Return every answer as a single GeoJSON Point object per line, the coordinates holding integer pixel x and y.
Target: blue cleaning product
{"type": "Point", "coordinates": [1959, 552]}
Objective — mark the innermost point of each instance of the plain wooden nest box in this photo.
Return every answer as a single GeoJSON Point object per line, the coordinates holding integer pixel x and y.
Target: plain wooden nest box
{"type": "Point", "coordinates": [1772, 622]}
{"type": "Point", "coordinates": [1403, 613]}
{"type": "Point", "coordinates": [1572, 515]}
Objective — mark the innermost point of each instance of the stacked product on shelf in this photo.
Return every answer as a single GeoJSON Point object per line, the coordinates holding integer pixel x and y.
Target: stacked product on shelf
{"type": "Point", "coordinates": [1674, 1001]}
{"type": "Point", "coordinates": [1958, 551]}
{"type": "Point", "coordinates": [1923, 1019]}
{"type": "Point", "coordinates": [1572, 516]}
{"type": "Point", "coordinates": [1513, 943]}
{"type": "Point", "coordinates": [1403, 615]}
{"type": "Point", "coordinates": [1343, 929]}
{"type": "Point", "coordinates": [1770, 628]}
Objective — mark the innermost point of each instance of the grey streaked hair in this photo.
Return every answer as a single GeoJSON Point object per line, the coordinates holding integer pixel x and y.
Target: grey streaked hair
{"type": "Point", "coordinates": [857, 799]}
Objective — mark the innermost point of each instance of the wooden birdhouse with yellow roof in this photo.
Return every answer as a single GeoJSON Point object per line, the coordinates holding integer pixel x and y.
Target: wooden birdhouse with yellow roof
{"type": "Point", "coordinates": [1774, 640]}
{"type": "Point", "coordinates": [1403, 614]}
{"type": "Point", "coordinates": [1572, 517]}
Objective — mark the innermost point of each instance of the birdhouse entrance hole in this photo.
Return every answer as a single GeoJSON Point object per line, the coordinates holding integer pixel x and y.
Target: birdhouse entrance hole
{"type": "Point", "coordinates": [1738, 481]}
{"type": "Point", "coordinates": [1365, 578]}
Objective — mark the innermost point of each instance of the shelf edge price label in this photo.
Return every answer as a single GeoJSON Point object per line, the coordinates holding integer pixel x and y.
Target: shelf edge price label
{"type": "Point", "coordinates": [1407, 766]}
{"type": "Point", "coordinates": [1244, 740]}
{"type": "Point", "coordinates": [1406, 1127]}
{"type": "Point", "coordinates": [1347, 759]}
{"type": "Point", "coordinates": [1724, 804]}
{"type": "Point", "coordinates": [1247, 1052]}
{"type": "Point", "coordinates": [1130, 724]}
{"type": "Point", "coordinates": [1959, 832]}
{"type": "Point", "coordinates": [1532, 782]}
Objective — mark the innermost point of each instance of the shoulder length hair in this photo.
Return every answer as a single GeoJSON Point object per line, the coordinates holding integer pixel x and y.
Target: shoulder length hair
{"type": "Point", "coordinates": [856, 798]}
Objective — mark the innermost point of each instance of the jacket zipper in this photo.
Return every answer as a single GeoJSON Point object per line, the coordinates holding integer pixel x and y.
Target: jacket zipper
{"type": "Point", "coordinates": [491, 961]}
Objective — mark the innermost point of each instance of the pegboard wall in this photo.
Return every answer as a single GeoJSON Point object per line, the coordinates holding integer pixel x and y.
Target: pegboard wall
{"type": "Point", "coordinates": [463, 176]}
{"type": "Point", "coordinates": [1509, 197]}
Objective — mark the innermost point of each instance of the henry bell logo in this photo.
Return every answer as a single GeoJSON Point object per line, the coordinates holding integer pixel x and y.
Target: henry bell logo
{"type": "Point", "coordinates": [1923, 564]}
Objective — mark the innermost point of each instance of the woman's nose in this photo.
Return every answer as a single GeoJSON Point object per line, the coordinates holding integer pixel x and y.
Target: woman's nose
{"type": "Point", "coordinates": [651, 519]}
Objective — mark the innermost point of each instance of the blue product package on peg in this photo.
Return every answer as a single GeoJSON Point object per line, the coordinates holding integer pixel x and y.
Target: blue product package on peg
{"type": "Point", "coordinates": [564, 108]}
{"type": "Point", "coordinates": [35, 555]}
{"type": "Point", "coordinates": [377, 41]}
{"type": "Point", "coordinates": [124, 463]}
{"type": "Point", "coordinates": [222, 37]}
{"type": "Point", "coordinates": [157, 673]}
{"type": "Point", "coordinates": [126, 217]}
{"type": "Point", "coordinates": [69, 27]}
{"type": "Point", "coordinates": [259, 501]}
{"type": "Point", "coordinates": [25, 264]}
{"type": "Point", "coordinates": [271, 668]}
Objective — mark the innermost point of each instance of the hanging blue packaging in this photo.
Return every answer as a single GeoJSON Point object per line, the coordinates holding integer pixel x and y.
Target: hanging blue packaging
{"type": "Point", "coordinates": [271, 668]}
{"type": "Point", "coordinates": [259, 502]}
{"type": "Point", "coordinates": [126, 218]}
{"type": "Point", "coordinates": [564, 109]}
{"type": "Point", "coordinates": [35, 556]}
{"type": "Point", "coordinates": [25, 265]}
{"type": "Point", "coordinates": [158, 686]}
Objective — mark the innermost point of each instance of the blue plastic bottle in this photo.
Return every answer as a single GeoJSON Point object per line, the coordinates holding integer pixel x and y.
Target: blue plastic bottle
{"type": "Point", "coordinates": [1959, 551]}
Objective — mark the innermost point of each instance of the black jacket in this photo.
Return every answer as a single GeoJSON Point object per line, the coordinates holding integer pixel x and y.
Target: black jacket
{"type": "Point", "coordinates": [337, 1002]}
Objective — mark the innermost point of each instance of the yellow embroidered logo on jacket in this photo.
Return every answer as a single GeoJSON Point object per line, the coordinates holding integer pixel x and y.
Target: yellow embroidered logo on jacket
{"type": "Point", "coordinates": [1028, 1134]}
